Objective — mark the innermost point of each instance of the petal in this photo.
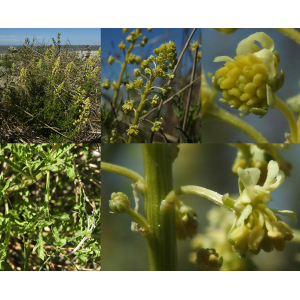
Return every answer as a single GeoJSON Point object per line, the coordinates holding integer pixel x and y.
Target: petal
{"type": "Point", "coordinates": [286, 213]}
{"type": "Point", "coordinates": [269, 61]}
{"type": "Point", "coordinates": [245, 46]}
{"type": "Point", "coordinates": [223, 58]}
{"type": "Point", "coordinates": [244, 215]}
{"type": "Point", "coordinates": [249, 177]}
{"type": "Point", "coordinates": [275, 177]}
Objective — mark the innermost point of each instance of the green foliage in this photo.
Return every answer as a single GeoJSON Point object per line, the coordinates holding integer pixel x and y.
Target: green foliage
{"type": "Point", "coordinates": [52, 195]}
{"type": "Point", "coordinates": [48, 86]}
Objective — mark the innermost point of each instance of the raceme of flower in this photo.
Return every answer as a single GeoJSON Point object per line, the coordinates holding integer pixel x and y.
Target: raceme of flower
{"type": "Point", "coordinates": [256, 226]}
{"type": "Point", "coordinates": [248, 81]}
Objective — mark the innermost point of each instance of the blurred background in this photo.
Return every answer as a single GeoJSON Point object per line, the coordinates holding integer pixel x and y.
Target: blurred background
{"type": "Point", "coordinates": [207, 165]}
{"type": "Point", "coordinates": [112, 37]}
{"type": "Point", "coordinates": [273, 125]}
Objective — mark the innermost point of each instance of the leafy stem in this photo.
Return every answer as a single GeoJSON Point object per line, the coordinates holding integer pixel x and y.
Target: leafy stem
{"type": "Point", "coordinates": [119, 82]}
{"type": "Point", "coordinates": [140, 108]}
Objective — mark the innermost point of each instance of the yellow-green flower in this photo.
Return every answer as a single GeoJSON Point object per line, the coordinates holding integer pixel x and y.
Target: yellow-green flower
{"type": "Point", "coordinates": [106, 84]}
{"type": "Point", "coordinates": [122, 46]}
{"type": "Point", "coordinates": [111, 60]}
{"type": "Point", "coordinates": [139, 82]}
{"type": "Point", "coordinates": [256, 226]}
{"type": "Point", "coordinates": [248, 81]}
{"type": "Point", "coordinates": [133, 130]}
{"type": "Point", "coordinates": [128, 107]}
{"type": "Point", "coordinates": [157, 125]}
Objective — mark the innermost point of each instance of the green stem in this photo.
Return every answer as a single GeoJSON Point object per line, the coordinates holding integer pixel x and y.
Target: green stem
{"type": "Point", "coordinates": [47, 194]}
{"type": "Point", "coordinates": [125, 172]}
{"type": "Point", "coordinates": [7, 229]}
{"type": "Point", "coordinates": [139, 219]}
{"type": "Point", "coordinates": [216, 113]}
{"type": "Point", "coordinates": [25, 184]}
{"type": "Point", "coordinates": [158, 177]}
{"type": "Point", "coordinates": [283, 107]}
{"type": "Point", "coordinates": [202, 192]}
{"type": "Point", "coordinates": [292, 33]}
{"type": "Point", "coordinates": [140, 108]}
{"type": "Point", "coordinates": [118, 85]}
{"type": "Point", "coordinates": [298, 126]}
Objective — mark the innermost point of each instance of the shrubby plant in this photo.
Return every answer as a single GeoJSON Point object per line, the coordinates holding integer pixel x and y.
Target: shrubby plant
{"type": "Point", "coordinates": [51, 90]}
{"type": "Point", "coordinates": [50, 207]}
{"type": "Point", "coordinates": [145, 91]}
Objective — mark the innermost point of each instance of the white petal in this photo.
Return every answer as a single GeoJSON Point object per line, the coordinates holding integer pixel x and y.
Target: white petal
{"type": "Point", "coordinates": [223, 58]}
{"type": "Point", "coordinates": [275, 177]}
{"type": "Point", "coordinates": [269, 61]}
{"type": "Point", "coordinates": [245, 46]}
{"type": "Point", "coordinates": [249, 177]}
{"type": "Point", "coordinates": [244, 215]}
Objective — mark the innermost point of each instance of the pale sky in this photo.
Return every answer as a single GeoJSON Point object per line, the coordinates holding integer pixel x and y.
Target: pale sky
{"type": "Point", "coordinates": [76, 36]}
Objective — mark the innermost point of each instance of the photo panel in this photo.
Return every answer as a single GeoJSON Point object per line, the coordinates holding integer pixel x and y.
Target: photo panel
{"type": "Point", "coordinates": [151, 85]}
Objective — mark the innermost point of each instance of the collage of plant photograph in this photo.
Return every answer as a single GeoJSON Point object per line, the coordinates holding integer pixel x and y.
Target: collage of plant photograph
{"type": "Point", "coordinates": [210, 180]}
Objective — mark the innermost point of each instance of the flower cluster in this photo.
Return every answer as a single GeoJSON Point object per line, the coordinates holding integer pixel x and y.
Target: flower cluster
{"type": "Point", "coordinates": [134, 59]}
{"type": "Point", "coordinates": [128, 107]}
{"type": "Point", "coordinates": [154, 101]}
{"type": "Point", "coordinates": [248, 81]}
{"type": "Point", "coordinates": [256, 226]}
{"type": "Point", "coordinates": [133, 130]}
{"type": "Point", "coordinates": [157, 125]}
{"type": "Point", "coordinates": [166, 56]}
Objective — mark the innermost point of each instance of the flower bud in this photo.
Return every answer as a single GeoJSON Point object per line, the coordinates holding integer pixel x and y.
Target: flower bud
{"type": "Point", "coordinates": [136, 72]}
{"type": "Point", "coordinates": [208, 260]}
{"type": "Point", "coordinates": [148, 71]}
{"type": "Point", "coordinates": [119, 203]}
{"type": "Point", "coordinates": [138, 59]}
{"type": "Point", "coordinates": [106, 84]}
{"type": "Point", "coordinates": [111, 60]}
{"type": "Point", "coordinates": [122, 46]}
{"type": "Point", "coordinates": [145, 64]}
